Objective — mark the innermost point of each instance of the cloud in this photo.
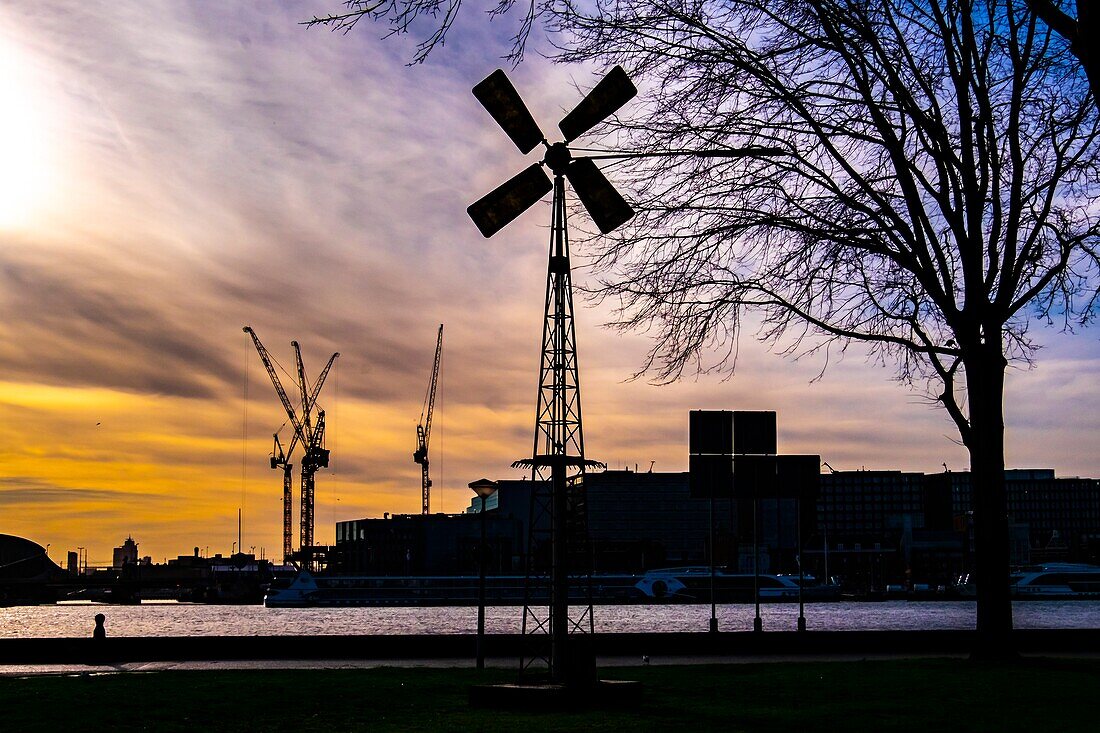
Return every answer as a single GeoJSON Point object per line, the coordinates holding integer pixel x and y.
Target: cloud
{"type": "Point", "coordinates": [19, 490]}
{"type": "Point", "coordinates": [223, 166]}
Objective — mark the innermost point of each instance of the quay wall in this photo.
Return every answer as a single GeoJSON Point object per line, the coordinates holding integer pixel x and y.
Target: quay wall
{"type": "Point", "coordinates": [462, 646]}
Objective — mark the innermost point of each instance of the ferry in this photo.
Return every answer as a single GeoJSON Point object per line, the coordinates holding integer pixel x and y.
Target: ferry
{"type": "Point", "coordinates": [1049, 582]}
{"type": "Point", "coordinates": [668, 585]}
{"type": "Point", "coordinates": [307, 590]}
{"type": "Point", "coordinates": [1055, 580]}
{"type": "Point", "coordinates": [692, 585]}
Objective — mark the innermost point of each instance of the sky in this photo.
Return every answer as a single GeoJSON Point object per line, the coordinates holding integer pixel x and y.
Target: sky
{"type": "Point", "coordinates": [173, 171]}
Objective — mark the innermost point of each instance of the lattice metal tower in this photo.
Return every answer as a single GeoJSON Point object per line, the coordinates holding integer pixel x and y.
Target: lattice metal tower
{"type": "Point", "coordinates": [558, 517]}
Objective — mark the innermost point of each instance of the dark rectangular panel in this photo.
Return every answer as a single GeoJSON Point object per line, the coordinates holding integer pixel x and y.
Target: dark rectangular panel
{"type": "Point", "coordinates": [493, 211]}
{"type": "Point", "coordinates": [798, 476]}
{"type": "Point", "coordinates": [710, 476]}
{"type": "Point", "coordinates": [613, 91]}
{"type": "Point", "coordinates": [501, 100]}
{"type": "Point", "coordinates": [710, 432]}
{"type": "Point", "coordinates": [754, 432]}
{"type": "Point", "coordinates": [604, 204]}
{"type": "Point", "coordinates": [754, 476]}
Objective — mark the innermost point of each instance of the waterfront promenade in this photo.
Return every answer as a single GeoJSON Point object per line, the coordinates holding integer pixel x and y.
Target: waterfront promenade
{"type": "Point", "coordinates": [461, 647]}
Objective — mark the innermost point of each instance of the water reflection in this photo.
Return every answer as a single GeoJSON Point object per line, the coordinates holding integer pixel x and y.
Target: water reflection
{"type": "Point", "coordinates": [180, 619]}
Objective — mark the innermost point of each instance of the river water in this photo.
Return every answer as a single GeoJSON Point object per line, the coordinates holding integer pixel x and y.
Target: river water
{"type": "Point", "coordinates": [184, 619]}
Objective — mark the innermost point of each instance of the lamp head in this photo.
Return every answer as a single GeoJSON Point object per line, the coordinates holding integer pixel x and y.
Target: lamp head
{"type": "Point", "coordinates": [483, 487]}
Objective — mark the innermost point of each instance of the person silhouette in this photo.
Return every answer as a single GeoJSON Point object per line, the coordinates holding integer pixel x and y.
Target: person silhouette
{"type": "Point", "coordinates": [99, 632]}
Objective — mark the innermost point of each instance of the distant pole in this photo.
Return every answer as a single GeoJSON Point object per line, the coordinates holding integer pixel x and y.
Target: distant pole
{"type": "Point", "coordinates": [713, 594]}
{"type": "Point", "coordinates": [798, 525]}
{"type": "Point", "coordinates": [757, 624]}
{"type": "Point", "coordinates": [481, 593]}
{"type": "Point", "coordinates": [482, 488]}
{"type": "Point", "coordinates": [239, 543]}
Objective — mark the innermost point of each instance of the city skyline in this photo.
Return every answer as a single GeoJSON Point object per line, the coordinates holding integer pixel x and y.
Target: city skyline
{"type": "Point", "coordinates": [179, 172]}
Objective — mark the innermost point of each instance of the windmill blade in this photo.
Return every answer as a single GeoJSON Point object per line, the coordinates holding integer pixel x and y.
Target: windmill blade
{"type": "Point", "coordinates": [501, 100]}
{"type": "Point", "coordinates": [604, 204]}
{"type": "Point", "coordinates": [496, 209]}
{"type": "Point", "coordinates": [613, 91]}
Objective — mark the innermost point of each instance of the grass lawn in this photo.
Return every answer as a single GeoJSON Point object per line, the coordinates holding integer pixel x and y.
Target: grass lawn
{"type": "Point", "coordinates": [904, 695]}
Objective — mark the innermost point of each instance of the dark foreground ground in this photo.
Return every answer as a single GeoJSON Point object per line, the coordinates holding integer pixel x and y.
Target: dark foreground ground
{"type": "Point", "coordinates": [1034, 695]}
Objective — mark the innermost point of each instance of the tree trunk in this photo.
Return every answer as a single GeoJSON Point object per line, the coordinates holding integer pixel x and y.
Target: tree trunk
{"type": "Point", "coordinates": [985, 374]}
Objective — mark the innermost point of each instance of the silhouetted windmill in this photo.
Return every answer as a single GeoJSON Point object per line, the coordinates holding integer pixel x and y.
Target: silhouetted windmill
{"type": "Point", "coordinates": [559, 439]}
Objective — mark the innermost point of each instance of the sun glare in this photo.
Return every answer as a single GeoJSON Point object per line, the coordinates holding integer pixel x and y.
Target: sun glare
{"type": "Point", "coordinates": [25, 166]}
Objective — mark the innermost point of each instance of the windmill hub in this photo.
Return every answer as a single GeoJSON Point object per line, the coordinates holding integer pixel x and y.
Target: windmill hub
{"type": "Point", "coordinates": [558, 158]}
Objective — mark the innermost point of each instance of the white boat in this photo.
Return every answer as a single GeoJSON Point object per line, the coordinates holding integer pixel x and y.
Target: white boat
{"type": "Point", "coordinates": [1056, 580]}
{"type": "Point", "coordinates": [308, 590]}
{"type": "Point", "coordinates": [692, 584]}
{"type": "Point", "coordinates": [1048, 581]}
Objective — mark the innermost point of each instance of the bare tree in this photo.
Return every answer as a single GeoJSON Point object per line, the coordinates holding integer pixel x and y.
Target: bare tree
{"type": "Point", "coordinates": [939, 193]}
{"type": "Point", "coordinates": [1082, 33]}
{"type": "Point", "coordinates": [435, 16]}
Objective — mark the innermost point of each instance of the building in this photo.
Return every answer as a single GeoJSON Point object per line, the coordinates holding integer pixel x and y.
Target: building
{"type": "Point", "coordinates": [641, 521]}
{"type": "Point", "coordinates": [427, 544]}
{"type": "Point", "coordinates": [1060, 517]}
{"type": "Point", "coordinates": [125, 555]}
{"type": "Point", "coordinates": [874, 503]}
{"type": "Point", "coordinates": [869, 528]}
{"type": "Point", "coordinates": [885, 526]}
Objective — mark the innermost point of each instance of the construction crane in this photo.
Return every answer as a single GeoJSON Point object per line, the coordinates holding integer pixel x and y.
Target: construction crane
{"type": "Point", "coordinates": [424, 429]}
{"type": "Point", "coordinates": [311, 435]}
{"type": "Point", "coordinates": [313, 440]}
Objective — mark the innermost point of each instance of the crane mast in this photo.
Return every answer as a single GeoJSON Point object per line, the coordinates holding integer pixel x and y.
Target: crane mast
{"type": "Point", "coordinates": [307, 432]}
{"type": "Point", "coordinates": [316, 456]}
{"type": "Point", "coordinates": [279, 458]}
{"type": "Point", "coordinates": [424, 429]}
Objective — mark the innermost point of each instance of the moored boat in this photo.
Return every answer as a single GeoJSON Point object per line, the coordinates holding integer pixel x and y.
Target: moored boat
{"type": "Point", "coordinates": [1048, 581]}
{"type": "Point", "coordinates": [692, 585]}
{"type": "Point", "coordinates": [308, 590]}
{"type": "Point", "coordinates": [1053, 581]}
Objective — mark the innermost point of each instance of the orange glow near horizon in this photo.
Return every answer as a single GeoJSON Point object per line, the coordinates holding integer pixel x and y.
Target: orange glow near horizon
{"type": "Point", "coordinates": [171, 472]}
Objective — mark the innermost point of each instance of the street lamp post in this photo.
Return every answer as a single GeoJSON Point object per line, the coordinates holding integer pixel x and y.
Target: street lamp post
{"type": "Point", "coordinates": [483, 488]}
